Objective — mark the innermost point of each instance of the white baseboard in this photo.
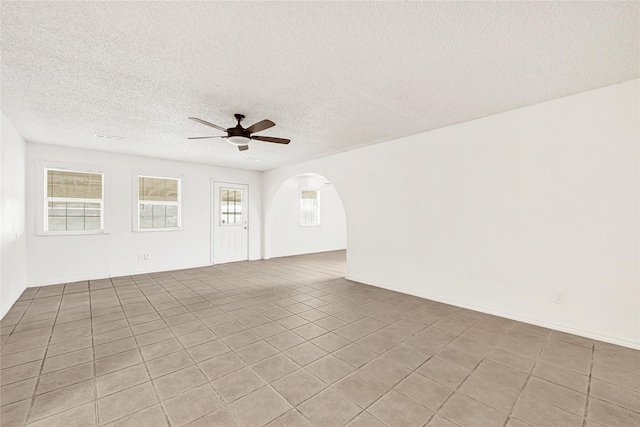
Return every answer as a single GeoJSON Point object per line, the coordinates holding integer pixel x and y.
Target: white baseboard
{"type": "Point", "coordinates": [110, 275]}
{"type": "Point", "coordinates": [119, 274]}
{"type": "Point", "coordinates": [270, 256]}
{"type": "Point", "coordinates": [507, 315]}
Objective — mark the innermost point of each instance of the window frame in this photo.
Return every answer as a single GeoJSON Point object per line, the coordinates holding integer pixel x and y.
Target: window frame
{"type": "Point", "coordinates": [318, 207]}
{"type": "Point", "coordinates": [135, 223]}
{"type": "Point", "coordinates": [42, 228]}
{"type": "Point", "coordinates": [242, 220]}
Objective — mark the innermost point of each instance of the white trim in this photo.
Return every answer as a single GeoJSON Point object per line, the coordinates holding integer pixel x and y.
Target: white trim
{"type": "Point", "coordinates": [212, 213]}
{"type": "Point", "coordinates": [70, 167]}
{"type": "Point", "coordinates": [73, 233]}
{"type": "Point", "coordinates": [113, 275]}
{"type": "Point", "coordinates": [158, 202]}
{"type": "Point", "coordinates": [73, 199]}
{"type": "Point", "coordinates": [550, 325]}
{"type": "Point", "coordinates": [155, 230]}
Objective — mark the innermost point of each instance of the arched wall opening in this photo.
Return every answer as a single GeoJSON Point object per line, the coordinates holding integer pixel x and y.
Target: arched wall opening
{"type": "Point", "coordinates": [286, 235]}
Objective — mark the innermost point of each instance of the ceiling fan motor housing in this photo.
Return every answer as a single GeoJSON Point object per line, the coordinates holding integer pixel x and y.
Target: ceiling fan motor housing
{"type": "Point", "coordinates": [238, 135]}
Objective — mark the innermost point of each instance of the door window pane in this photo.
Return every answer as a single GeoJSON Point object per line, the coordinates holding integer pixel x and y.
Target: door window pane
{"type": "Point", "coordinates": [230, 206]}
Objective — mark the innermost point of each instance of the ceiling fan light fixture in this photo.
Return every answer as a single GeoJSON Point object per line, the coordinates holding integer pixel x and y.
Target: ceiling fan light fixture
{"type": "Point", "coordinates": [238, 140]}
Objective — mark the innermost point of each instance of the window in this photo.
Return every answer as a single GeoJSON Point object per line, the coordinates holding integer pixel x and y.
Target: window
{"type": "Point", "coordinates": [309, 207]}
{"type": "Point", "coordinates": [158, 203]}
{"type": "Point", "coordinates": [74, 201]}
{"type": "Point", "coordinates": [230, 206]}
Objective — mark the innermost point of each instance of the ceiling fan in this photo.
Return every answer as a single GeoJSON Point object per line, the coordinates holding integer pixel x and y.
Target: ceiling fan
{"type": "Point", "coordinates": [240, 136]}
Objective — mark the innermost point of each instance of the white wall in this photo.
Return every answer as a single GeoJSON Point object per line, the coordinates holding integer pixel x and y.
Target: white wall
{"type": "Point", "coordinates": [286, 237]}
{"type": "Point", "coordinates": [59, 259]}
{"type": "Point", "coordinates": [12, 220]}
{"type": "Point", "coordinates": [504, 211]}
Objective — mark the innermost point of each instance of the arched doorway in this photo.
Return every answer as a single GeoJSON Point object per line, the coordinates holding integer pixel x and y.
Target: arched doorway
{"type": "Point", "coordinates": [305, 215]}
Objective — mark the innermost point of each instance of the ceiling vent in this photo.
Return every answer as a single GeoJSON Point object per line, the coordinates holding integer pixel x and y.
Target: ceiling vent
{"type": "Point", "coordinates": [100, 135]}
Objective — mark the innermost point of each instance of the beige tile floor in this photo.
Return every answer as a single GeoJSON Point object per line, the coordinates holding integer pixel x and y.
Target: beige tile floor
{"type": "Point", "coordinates": [290, 342]}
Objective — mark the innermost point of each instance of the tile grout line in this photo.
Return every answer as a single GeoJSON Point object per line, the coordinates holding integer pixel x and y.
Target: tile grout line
{"type": "Point", "coordinates": [468, 375]}
{"type": "Point", "coordinates": [160, 401]}
{"type": "Point", "coordinates": [44, 357]}
{"type": "Point", "coordinates": [143, 363]}
{"type": "Point", "coordinates": [309, 341]}
{"type": "Point", "coordinates": [267, 383]}
{"type": "Point", "coordinates": [93, 348]}
{"type": "Point", "coordinates": [378, 356]}
{"type": "Point", "coordinates": [385, 352]}
{"type": "Point", "coordinates": [95, 377]}
{"type": "Point", "coordinates": [526, 382]}
{"type": "Point", "coordinates": [33, 394]}
{"type": "Point", "coordinates": [588, 402]}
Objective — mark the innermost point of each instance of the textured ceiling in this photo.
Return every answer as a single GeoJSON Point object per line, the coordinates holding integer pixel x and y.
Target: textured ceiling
{"type": "Point", "coordinates": [333, 76]}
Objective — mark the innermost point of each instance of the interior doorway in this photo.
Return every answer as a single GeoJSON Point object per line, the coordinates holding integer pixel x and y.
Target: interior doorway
{"type": "Point", "coordinates": [230, 223]}
{"type": "Point", "coordinates": [305, 215]}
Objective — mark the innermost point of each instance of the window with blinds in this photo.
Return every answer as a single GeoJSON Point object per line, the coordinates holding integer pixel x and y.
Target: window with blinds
{"type": "Point", "coordinates": [309, 207]}
{"type": "Point", "coordinates": [75, 201]}
{"type": "Point", "coordinates": [158, 203]}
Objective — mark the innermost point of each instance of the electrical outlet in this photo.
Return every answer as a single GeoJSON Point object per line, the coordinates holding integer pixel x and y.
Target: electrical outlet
{"type": "Point", "coordinates": [147, 257]}
{"type": "Point", "coordinates": [559, 297]}
{"type": "Point", "coordinates": [140, 257]}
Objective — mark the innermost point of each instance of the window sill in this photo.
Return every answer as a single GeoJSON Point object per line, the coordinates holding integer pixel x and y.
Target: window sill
{"type": "Point", "coordinates": [154, 230]}
{"type": "Point", "coordinates": [71, 233]}
{"type": "Point", "coordinates": [310, 225]}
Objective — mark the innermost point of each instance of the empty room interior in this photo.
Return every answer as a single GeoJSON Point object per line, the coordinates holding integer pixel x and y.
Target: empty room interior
{"type": "Point", "coordinates": [326, 214]}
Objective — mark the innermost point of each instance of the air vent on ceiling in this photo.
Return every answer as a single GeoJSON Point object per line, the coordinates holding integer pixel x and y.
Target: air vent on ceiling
{"type": "Point", "coordinates": [100, 135]}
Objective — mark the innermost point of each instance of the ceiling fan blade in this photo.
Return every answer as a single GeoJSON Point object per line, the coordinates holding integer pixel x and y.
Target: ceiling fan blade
{"type": "Point", "coordinates": [243, 147]}
{"type": "Point", "coordinates": [257, 127]}
{"type": "Point", "coordinates": [205, 137]}
{"type": "Point", "coordinates": [206, 123]}
{"type": "Point", "coordinates": [271, 139]}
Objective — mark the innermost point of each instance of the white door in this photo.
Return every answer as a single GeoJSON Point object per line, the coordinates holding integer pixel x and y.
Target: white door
{"type": "Point", "coordinates": [230, 222]}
